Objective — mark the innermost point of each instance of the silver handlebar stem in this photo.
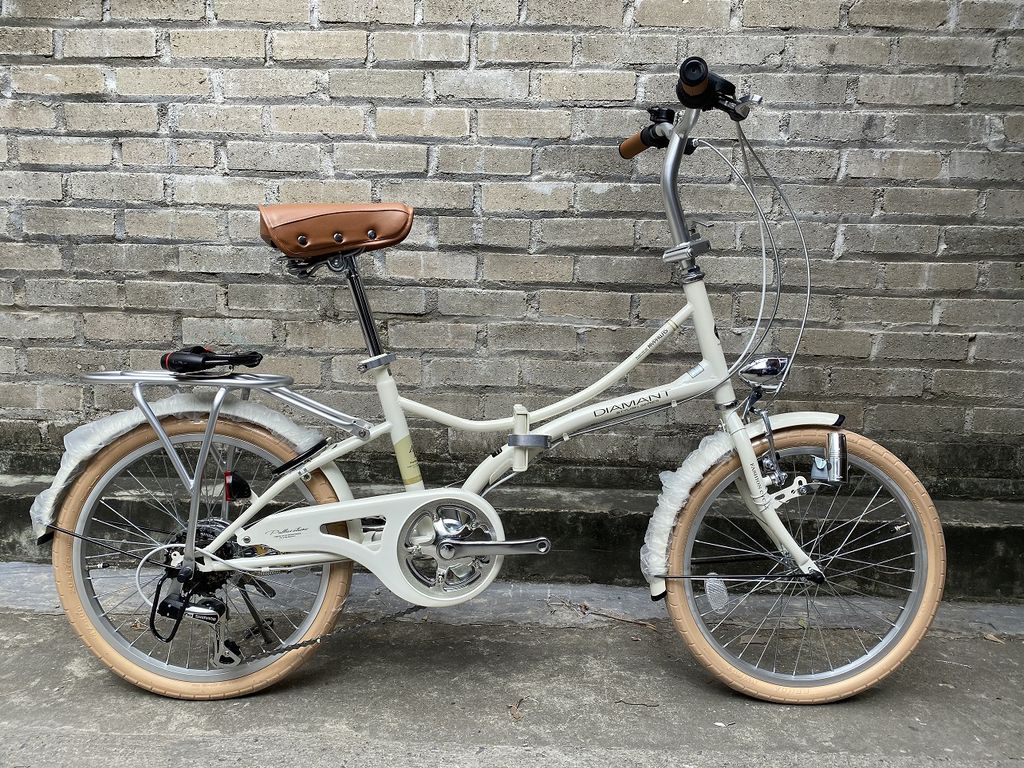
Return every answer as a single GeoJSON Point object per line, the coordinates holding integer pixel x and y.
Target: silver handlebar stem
{"type": "Point", "coordinates": [670, 175]}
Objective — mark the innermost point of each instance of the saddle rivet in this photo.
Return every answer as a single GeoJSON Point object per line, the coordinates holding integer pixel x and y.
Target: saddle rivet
{"type": "Point", "coordinates": [303, 240]}
{"type": "Point", "coordinates": [372, 234]}
{"type": "Point", "coordinates": [338, 237]}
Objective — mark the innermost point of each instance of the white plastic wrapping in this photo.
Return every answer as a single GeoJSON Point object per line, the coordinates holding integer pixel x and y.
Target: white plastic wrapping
{"type": "Point", "coordinates": [83, 443]}
{"type": "Point", "coordinates": [675, 492]}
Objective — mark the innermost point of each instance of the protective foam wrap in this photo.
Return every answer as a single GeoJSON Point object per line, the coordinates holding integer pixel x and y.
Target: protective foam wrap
{"type": "Point", "coordinates": [675, 492]}
{"type": "Point", "coordinates": [83, 443]}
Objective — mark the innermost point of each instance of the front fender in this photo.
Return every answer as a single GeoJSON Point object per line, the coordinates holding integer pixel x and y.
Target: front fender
{"type": "Point", "coordinates": [676, 486]}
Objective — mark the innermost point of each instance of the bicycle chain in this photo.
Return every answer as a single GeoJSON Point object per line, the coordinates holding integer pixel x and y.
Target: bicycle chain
{"type": "Point", "coordinates": [320, 638]}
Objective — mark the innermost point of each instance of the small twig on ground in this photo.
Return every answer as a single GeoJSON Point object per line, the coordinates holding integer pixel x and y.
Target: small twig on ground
{"type": "Point", "coordinates": [994, 638]}
{"type": "Point", "coordinates": [585, 610]}
{"type": "Point", "coordinates": [515, 711]}
{"type": "Point", "coordinates": [637, 703]}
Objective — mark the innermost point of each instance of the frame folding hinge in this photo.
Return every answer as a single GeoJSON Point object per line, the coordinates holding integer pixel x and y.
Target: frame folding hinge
{"type": "Point", "coordinates": [521, 441]}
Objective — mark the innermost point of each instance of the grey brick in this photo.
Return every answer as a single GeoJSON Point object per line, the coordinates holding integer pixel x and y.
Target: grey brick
{"type": "Point", "coordinates": [268, 83]}
{"type": "Point", "coordinates": [65, 292]}
{"type": "Point", "coordinates": [589, 305]}
{"type": "Point", "coordinates": [580, 85]}
{"type": "Point", "coordinates": [26, 41]}
{"type": "Point", "coordinates": [375, 83]}
{"type": "Point", "coordinates": [923, 201]}
{"type": "Point", "coordinates": [85, 10]}
{"type": "Point", "coordinates": [893, 164]}
{"type": "Point", "coordinates": [533, 268]}
{"type": "Point", "coordinates": [186, 153]}
{"type": "Point", "coordinates": [129, 327]}
{"type": "Point", "coordinates": [390, 12]}
{"type": "Point", "coordinates": [431, 266]}
{"type": "Point", "coordinates": [59, 150]}
{"type": "Point", "coordinates": [380, 156]}
{"type": "Point", "coordinates": [816, 88]}
{"type": "Point", "coordinates": [518, 124]}
{"type": "Point", "coordinates": [906, 89]}
{"type": "Point", "coordinates": [272, 156]}
{"type": "Point", "coordinates": [1004, 421]}
{"type": "Point", "coordinates": [421, 46]}
{"type": "Point", "coordinates": [482, 84]}
{"type": "Point", "coordinates": [36, 325]}
{"type": "Point", "coordinates": [296, 11]}
{"type": "Point", "coordinates": [477, 303]}
{"type": "Point", "coordinates": [509, 196]}
{"type": "Point", "coordinates": [53, 80]}
{"type": "Point", "coordinates": [103, 258]}
{"type": "Point", "coordinates": [829, 50]}
{"type": "Point", "coordinates": [1000, 166]}
{"type": "Point", "coordinates": [697, 14]}
{"type": "Point", "coordinates": [226, 331]}
{"type": "Point", "coordinates": [422, 121]}
{"type": "Point", "coordinates": [985, 14]}
{"type": "Point", "coordinates": [158, 10]}
{"type": "Point", "coordinates": [597, 13]}
{"type": "Point", "coordinates": [478, 372]}
{"type": "Point", "coordinates": [923, 346]}
{"type": "Point", "coordinates": [218, 118]}
{"type": "Point", "coordinates": [117, 186]}
{"type": "Point", "coordinates": [218, 44]}
{"type": "Point", "coordinates": [945, 51]}
{"type": "Point", "coordinates": [111, 118]}
{"type": "Point", "coordinates": [30, 257]}
{"type": "Point", "coordinates": [334, 45]}
{"type": "Point", "coordinates": [908, 14]}
{"type": "Point", "coordinates": [68, 221]}
{"type": "Point", "coordinates": [157, 295]}
{"type": "Point", "coordinates": [521, 47]}
{"type": "Point", "coordinates": [890, 238]}
{"type": "Point", "coordinates": [940, 276]}
{"type": "Point", "coordinates": [989, 89]}
{"type": "Point", "coordinates": [219, 190]}
{"type": "Point", "coordinates": [635, 49]}
{"type": "Point", "coordinates": [26, 114]}
{"type": "Point", "coordinates": [465, 11]}
{"type": "Point", "coordinates": [163, 81]}
{"type": "Point", "coordinates": [427, 335]}
{"type": "Point", "coordinates": [494, 161]}
{"type": "Point", "coordinates": [980, 384]}
{"type": "Point", "coordinates": [530, 337]}
{"type": "Point", "coordinates": [110, 43]}
{"type": "Point", "coordinates": [818, 14]}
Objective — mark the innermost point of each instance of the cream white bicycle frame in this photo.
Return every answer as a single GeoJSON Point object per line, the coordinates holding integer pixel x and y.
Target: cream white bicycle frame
{"type": "Point", "coordinates": [296, 535]}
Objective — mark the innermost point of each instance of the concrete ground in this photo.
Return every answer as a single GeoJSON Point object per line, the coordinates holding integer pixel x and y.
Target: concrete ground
{"type": "Point", "coordinates": [526, 675]}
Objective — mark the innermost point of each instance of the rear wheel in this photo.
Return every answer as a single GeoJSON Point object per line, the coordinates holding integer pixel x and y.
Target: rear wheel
{"type": "Point", "coordinates": [133, 507]}
{"type": "Point", "coordinates": [752, 618]}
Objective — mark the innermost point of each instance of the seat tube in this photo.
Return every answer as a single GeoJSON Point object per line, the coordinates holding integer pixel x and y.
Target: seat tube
{"type": "Point", "coordinates": [408, 466]}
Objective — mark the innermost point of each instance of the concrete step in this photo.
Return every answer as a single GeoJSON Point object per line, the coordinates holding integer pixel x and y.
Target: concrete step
{"type": "Point", "coordinates": [596, 535]}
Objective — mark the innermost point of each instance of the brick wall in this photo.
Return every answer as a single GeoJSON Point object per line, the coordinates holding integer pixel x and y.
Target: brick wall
{"type": "Point", "coordinates": [138, 136]}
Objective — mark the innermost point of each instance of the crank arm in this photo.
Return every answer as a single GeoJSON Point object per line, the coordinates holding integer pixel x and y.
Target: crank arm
{"type": "Point", "coordinates": [450, 549]}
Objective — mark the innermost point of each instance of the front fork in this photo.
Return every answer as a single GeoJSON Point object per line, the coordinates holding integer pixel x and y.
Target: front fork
{"type": "Point", "coordinates": [763, 505]}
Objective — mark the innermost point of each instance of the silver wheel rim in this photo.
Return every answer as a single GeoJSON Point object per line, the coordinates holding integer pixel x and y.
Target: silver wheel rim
{"type": "Point", "coordinates": [100, 604]}
{"type": "Point", "coordinates": [699, 593]}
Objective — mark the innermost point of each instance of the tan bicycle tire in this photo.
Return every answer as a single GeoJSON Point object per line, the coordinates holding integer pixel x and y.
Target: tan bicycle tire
{"type": "Point", "coordinates": [687, 626]}
{"type": "Point", "coordinates": [339, 578]}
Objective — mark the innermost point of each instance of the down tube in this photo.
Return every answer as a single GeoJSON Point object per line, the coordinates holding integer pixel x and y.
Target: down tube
{"type": "Point", "coordinates": [694, 382]}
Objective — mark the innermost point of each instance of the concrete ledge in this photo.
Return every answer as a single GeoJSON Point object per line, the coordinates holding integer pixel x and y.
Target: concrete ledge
{"type": "Point", "coordinates": [597, 532]}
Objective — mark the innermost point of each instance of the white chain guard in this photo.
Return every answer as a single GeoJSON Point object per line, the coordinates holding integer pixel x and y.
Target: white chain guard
{"type": "Point", "coordinates": [299, 531]}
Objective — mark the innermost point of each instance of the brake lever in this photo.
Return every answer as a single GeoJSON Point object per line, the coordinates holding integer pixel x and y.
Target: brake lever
{"type": "Point", "coordinates": [738, 109]}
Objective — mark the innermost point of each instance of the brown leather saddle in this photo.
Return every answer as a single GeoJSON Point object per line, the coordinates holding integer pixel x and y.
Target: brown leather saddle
{"type": "Point", "coordinates": [309, 231]}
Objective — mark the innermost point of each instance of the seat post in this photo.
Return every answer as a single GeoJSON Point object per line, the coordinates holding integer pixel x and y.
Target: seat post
{"type": "Point", "coordinates": [362, 305]}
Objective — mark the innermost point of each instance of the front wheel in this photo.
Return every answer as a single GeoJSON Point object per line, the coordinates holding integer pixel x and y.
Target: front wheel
{"type": "Point", "coordinates": [751, 617]}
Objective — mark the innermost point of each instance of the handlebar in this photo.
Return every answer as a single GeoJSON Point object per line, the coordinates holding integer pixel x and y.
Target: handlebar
{"type": "Point", "coordinates": [698, 88]}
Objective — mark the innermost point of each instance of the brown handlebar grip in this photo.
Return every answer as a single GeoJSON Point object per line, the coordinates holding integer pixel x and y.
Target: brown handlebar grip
{"type": "Point", "coordinates": [632, 146]}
